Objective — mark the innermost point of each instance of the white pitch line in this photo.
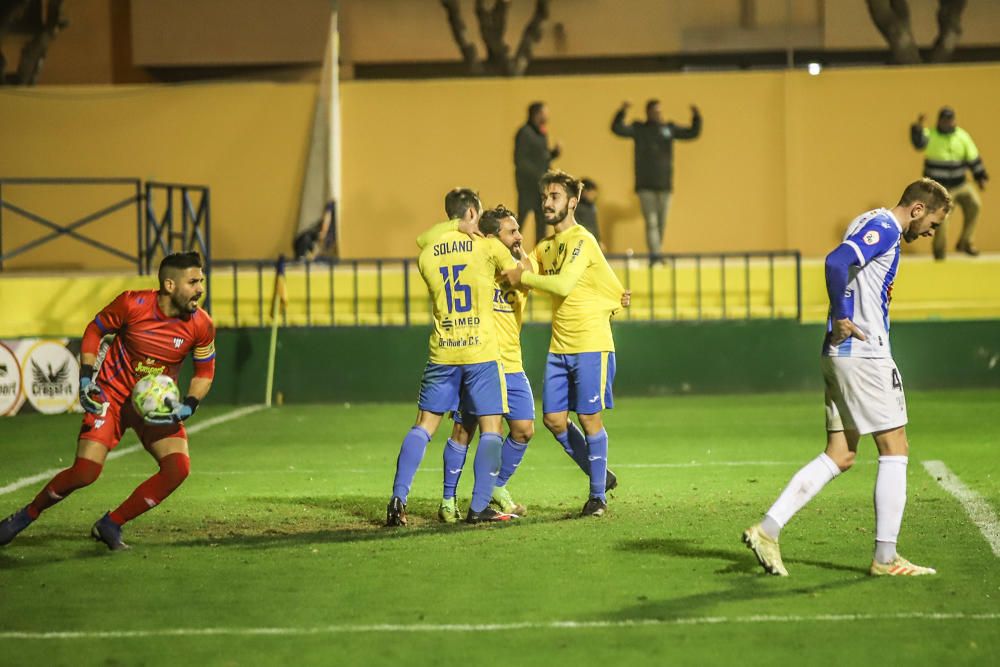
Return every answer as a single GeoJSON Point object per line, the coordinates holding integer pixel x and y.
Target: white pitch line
{"type": "Point", "coordinates": [495, 627]}
{"type": "Point", "coordinates": [118, 453]}
{"type": "Point", "coordinates": [975, 505]}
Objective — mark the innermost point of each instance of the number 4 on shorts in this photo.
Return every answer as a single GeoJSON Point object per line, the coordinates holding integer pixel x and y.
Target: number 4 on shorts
{"type": "Point", "coordinates": [896, 383]}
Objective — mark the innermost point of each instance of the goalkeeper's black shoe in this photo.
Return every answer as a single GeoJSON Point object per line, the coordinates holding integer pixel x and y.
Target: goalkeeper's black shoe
{"type": "Point", "coordinates": [594, 507]}
{"type": "Point", "coordinates": [395, 512]}
{"type": "Point", "coordinates": [488, 515]}
{"type": "Point", "coordinates": [108, 532]}
{"type": "Point", "coordinates": [610, 481]}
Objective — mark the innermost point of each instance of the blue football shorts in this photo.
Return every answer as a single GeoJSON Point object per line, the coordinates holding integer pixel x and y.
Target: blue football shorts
{"type": "Point", "coordinates": [580, 383]}
{"type": "Point", "coordinates": [482, 385]}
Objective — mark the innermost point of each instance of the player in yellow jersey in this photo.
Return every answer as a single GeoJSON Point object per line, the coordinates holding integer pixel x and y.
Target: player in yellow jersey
{"type": "Point", "coordinates": [580, 369]}
{"type": "Point", "coordinates": [508, 312]}
{"type": "Point", "coordinates": [464, 357]}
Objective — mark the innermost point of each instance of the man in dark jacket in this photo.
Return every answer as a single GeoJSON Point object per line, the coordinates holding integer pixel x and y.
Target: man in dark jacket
{"type": "Point", "coordinates": [532, 157]}
{"type": "Point", "coordinates": [654, 163]}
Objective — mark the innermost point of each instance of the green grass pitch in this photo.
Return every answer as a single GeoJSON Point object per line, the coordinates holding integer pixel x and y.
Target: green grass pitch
{"type": "Point", "coordinates": [273, 552]}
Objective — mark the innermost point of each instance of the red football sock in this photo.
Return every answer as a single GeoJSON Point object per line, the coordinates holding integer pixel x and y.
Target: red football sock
{"type": "Point", "coordinates": [81, 474]}
{"type": "Point", "coordinates": [174, 469]}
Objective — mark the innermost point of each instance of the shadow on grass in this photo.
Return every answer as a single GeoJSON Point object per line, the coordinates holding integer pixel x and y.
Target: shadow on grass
{"type": "Point", "coordinates": [769, 593]}
{"type": "Point", "coordinates": [328, 519]}
{"type": "Point", "coordinates": [49, 548]}
{"type": "Point", "coordinates": [741, 559]}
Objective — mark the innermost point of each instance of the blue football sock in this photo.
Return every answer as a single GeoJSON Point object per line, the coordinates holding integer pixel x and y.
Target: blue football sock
{"type": "Point", "coordinates": [510, 458]}
{"type": "Point", "coordinates": [598, 463]}
{"type": "Point", "coordinates": [487, 468]}
{"type": "Point", "coordinates": [411, 453]}
{"type": "Point", "coordinates": [563, 439]}
{"type": "Point", "coordinates": [454, 461]}
{"type": "Point", "coordinates": [578, 441]}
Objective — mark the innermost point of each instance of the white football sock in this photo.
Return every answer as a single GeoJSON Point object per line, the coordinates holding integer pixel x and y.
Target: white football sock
{"type": "Point", "coordinates": [806, 483]}
{"type": "Point", "coordinates": [890, 500]}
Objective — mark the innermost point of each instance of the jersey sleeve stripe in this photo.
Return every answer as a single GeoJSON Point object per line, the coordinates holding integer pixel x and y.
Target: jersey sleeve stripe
{"type": "Point", "coordinates": [100, 325]}
{"type": "Point", "coordinates": [857, 250]}
{"type": "Point", "coordinates": [201, 360]}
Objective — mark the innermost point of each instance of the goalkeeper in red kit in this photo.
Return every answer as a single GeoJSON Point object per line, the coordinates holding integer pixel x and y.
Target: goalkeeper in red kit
{"type": "Point", "coordinates": [154, 331]}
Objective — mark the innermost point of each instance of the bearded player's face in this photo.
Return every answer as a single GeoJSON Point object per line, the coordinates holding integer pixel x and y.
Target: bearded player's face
{"type": "Point", "coordinates": [555, 204]}
{"type": "Point", "coordinates": [186, 289]}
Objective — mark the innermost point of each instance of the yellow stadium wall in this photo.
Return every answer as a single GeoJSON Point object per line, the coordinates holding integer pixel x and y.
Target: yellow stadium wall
{"type": "Point", "coordinates": [785, 159]}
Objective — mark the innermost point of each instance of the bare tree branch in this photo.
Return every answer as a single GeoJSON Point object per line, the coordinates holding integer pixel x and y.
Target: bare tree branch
{"type": "Point", "coordinates": [532, 35]}
{"type": "Point", "coordinates": [461, 35]}
{"type": "Point", "coordinates": [9, 13]}
{"type": "Point", "coordinates": [949, 20]}
{"type": "Point", "coordinates": [892, 18]}
{"type": "Point", "coordinates": [33, 53]}
{"type": "Point", "coordinates": [492, 16]}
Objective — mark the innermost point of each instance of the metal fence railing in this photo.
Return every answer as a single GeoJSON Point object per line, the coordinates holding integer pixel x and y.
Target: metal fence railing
{"type": "Point", "coordinates": [390, 292]}
{"type": "Point", "coordinates": [28, 199]}
{"type": "Point", "coordinates": [168, 217]}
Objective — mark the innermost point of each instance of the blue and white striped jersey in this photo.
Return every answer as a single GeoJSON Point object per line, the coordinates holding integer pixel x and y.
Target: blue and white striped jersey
{"type": "Point", "coordinates": [874, 237]}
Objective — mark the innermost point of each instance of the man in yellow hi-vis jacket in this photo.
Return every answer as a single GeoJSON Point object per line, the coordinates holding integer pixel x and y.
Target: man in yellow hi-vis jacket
{"type": "Point", "coordinates": [948, 152]}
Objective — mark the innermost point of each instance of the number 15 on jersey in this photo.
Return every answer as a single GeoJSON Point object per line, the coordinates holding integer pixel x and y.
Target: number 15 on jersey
{"type": "Point", "coordinates": [458, 294]}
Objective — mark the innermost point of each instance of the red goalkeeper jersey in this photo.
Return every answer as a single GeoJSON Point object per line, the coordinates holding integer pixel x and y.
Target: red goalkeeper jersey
{"type": "Point", "coordinates": [147, 342]}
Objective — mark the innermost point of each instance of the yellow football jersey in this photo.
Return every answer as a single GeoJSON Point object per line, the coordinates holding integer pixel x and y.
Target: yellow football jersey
{"type": "Point", "coordinates": [508, 309]}
{"type": "Point", "coordinates": [437, 230]}
{"type": "Point", "coordinates": [459, 272]}
{"type": "Point", "coordinates": [586, 293]}
{"type": "Point", "coordinates": [508, 305]}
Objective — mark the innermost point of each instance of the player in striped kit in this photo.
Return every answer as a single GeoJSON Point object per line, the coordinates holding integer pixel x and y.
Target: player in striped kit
{"type": "Point", "coordinates": [864, 391]}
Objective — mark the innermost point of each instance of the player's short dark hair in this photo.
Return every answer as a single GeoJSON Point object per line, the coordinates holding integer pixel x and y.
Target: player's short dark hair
{"type": "Point", "coordinates": [490, 222]}
{"type": "Point", "coordinates": [650, 104]}
{"type": "Point", "coordinates": [534, 108]}
{"type": "Point", "coordinates": [460, 200]}
{"type": "Point", "coordinates": [178, 261]}
{"type": "Point", "coordinates": [933, 195]}
{"type": "Point", "coordinates": [572, 186]}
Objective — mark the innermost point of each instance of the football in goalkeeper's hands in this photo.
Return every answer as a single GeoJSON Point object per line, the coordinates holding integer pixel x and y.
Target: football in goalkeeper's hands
{"type": "Point", "coordinates": [154, 394]}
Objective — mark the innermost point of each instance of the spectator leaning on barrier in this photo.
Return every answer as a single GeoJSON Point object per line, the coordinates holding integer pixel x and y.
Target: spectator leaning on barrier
{"type": "Point", "coordinates": [948, 152]}
{"type": "Point", "coordinates": [654, 163]}
{"type": "Point", "coordinates": [532, 157]}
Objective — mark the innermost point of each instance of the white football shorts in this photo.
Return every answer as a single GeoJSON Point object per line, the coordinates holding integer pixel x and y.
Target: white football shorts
{"type": "Point", "coordinates": [865, 395]}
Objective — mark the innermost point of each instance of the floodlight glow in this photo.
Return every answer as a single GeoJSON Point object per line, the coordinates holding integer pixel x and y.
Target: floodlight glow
{"type": "Point", "coordinates": [815, 68]}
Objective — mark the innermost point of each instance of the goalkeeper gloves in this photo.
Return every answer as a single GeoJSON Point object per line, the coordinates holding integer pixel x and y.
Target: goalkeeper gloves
{"type": "Point", "coordinates": [89, 391]}
{"type": "Point", "coordinates": [178, 412]}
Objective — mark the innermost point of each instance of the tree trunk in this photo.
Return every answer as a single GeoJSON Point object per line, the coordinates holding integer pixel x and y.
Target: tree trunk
{"type": "Point", "coordinates": [531, 36]}
{"type": "Point", "coordinates": [461, 35]}
{"type": "Point", "coordinates": [892, 18]}
{"type": "Point", "coordinates": [949, 19]}
{"type": "Point", "coordinates": [492, 25]}
{"type": "Point", "coordinates": [33, 53]}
